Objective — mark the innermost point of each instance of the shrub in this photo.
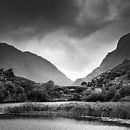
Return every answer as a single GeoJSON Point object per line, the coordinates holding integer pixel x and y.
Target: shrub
{"type": "Point", "coordinates": [109, 95]}
{"type": "Point", "coordinates": [93, 97]}
{"type": "Point", "coordinates": [128, 75]}
{"type": "Point", "coordinates": [125, 91]}
{"type": "Point", "coordinates": [76, 97]}
{"type": "Point", "coordinates": [116, 97]}
{"type": "Point", "coordinates": [125, 99]}
{"type": "Point", "coordinates": [2, 96]}
{"type": "Point", "coordinates": [9, 73]}
{"type": "Point", "coordinates": [84, 83]}
{"type": "Point", "coordinates": [37, 95]}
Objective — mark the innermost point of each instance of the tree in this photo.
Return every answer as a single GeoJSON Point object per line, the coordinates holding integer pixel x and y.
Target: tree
{"type": "Point", "coordinates": [9, 73]}
{"type": "Point", "coordinates": [84, 83]}
{"type": "Point", "coordinates": [50, 82]}
{"type": "Point", "coordinates": [38, 94]}
{"type": "Point", "coordinates": [125, 91]}
{"type": "Point", "coordinates": [109, 94]}
{"type": "Point", "coordinates": [2, 96]}
{"type": "Point", "coordinates": [93, 97]}
{"type": "Point", "coordinates": [10, 88]}
{"type": "Point", "coordinates": [116, 97]}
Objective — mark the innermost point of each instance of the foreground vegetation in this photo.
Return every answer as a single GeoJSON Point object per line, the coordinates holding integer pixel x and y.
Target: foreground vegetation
{"type": "Point", "coordinates": [76, 110]}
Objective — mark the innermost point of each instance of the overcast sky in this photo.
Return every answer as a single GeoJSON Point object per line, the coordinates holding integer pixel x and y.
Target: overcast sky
{"type": "Point", "coordinates": [75, 35]}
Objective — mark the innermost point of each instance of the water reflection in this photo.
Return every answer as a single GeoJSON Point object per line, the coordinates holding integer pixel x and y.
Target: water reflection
{"type": "Point", "coordinates": [54, 124]}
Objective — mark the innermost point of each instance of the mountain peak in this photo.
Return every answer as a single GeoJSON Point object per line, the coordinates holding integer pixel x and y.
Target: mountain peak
{"type": "Point", "coordinates": [124, 42]}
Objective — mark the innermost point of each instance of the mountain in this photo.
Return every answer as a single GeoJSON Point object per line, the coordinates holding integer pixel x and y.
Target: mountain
{"type": "Point", "coordinates": [31, 66]}
{"type": "Point", "coordinates": [112, 59]}
{"type": "Point", "coordinates": [112, 85]}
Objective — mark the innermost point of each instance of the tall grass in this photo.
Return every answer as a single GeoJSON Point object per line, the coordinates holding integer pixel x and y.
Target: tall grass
{"type": "Point", "coordinates": [112, 110]}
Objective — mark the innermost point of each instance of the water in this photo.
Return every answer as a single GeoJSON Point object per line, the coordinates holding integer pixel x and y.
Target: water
{"type": "Point", "coordinates": [55, 124]}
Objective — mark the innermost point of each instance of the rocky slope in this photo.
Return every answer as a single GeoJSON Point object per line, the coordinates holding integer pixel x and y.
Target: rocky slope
{"type": "Point", "coordinates": [112, 85]}
{"type": "Point", "coordinates": [112, 59]}
{"type": "Point", "coordinates": [31, 66]}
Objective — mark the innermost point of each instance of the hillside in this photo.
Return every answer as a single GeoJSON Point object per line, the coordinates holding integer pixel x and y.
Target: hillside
{"type": "Point", "coordinates": [31, 66]}
{"type": "Point", "coordinates": [112, 59]}
{"type": "Point", "coordinates": [112, 85]}
{"type": "Point", "coordinates": [19, 89]}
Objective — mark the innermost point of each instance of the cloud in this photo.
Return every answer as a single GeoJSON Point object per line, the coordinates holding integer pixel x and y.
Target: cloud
{"type": "Point", "coordinates": [69, 33]}
{"type": "Point", "coordinates": [92, 10]}
{"type": "Point", "coordinates": [78, 18]}
{"type": "Point", "coordinates": [41, 16]}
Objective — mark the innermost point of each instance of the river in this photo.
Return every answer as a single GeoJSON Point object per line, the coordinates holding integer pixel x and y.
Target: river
{"type": "Point", "coordinates": [55, 124]}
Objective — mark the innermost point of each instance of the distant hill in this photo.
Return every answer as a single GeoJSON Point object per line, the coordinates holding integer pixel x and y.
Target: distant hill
{"type": "Point", "coordinates": [112, 59]}
{"type": "Point", "coordinates": [31, 66]}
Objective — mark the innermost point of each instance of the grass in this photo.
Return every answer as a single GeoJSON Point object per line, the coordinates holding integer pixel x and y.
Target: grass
{"type": "Point", "coordinates": [76, 110]}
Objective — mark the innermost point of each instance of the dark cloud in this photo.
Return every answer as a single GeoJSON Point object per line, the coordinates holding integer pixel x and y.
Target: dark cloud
{"type": "Point", "coordinates": [29, 18]}
{"type": "Point", "coordinates": [97, 14]}
{"type": "Point", "coordinates": [52, 11]}
{"type": "Point", "coordinates": [41, 15]}
{"type": "Point", "coordinates": [124, 9]}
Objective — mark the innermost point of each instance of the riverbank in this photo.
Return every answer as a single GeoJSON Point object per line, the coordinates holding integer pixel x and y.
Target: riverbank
{"type": "Point", "coordinates": [114, 112]}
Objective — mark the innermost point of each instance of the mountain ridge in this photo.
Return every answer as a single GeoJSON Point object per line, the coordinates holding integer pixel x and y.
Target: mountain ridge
{"type": "Point", "coordinates": [112, 59]}
{"type": "Point", "coordinates": [30, 65]}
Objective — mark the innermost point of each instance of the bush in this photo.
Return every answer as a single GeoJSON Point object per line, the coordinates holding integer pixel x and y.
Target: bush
{"type": "Point", "coordinates": [109, 95]}
{"type": "Point", "coordinates": [2, 96]}
{"type": "Point", "coordinates": [9, 73]}
{"type": "Point", "coordinates": [128, 75]}
{"type": "Point", "coordinates": [116, 97]}
{"type": "Point", "coordinates": [84, 83]}
{"type": "Point", "coordinates": [125, 91]}
{"type": "Point", "coordinates": [93, 97]}
{"type": "Point", "coordinates": [38, 95]}
{"type": "Point", "coordinates": [125, 99]}
{"type": "Point", "coordinates": [76, 97]}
